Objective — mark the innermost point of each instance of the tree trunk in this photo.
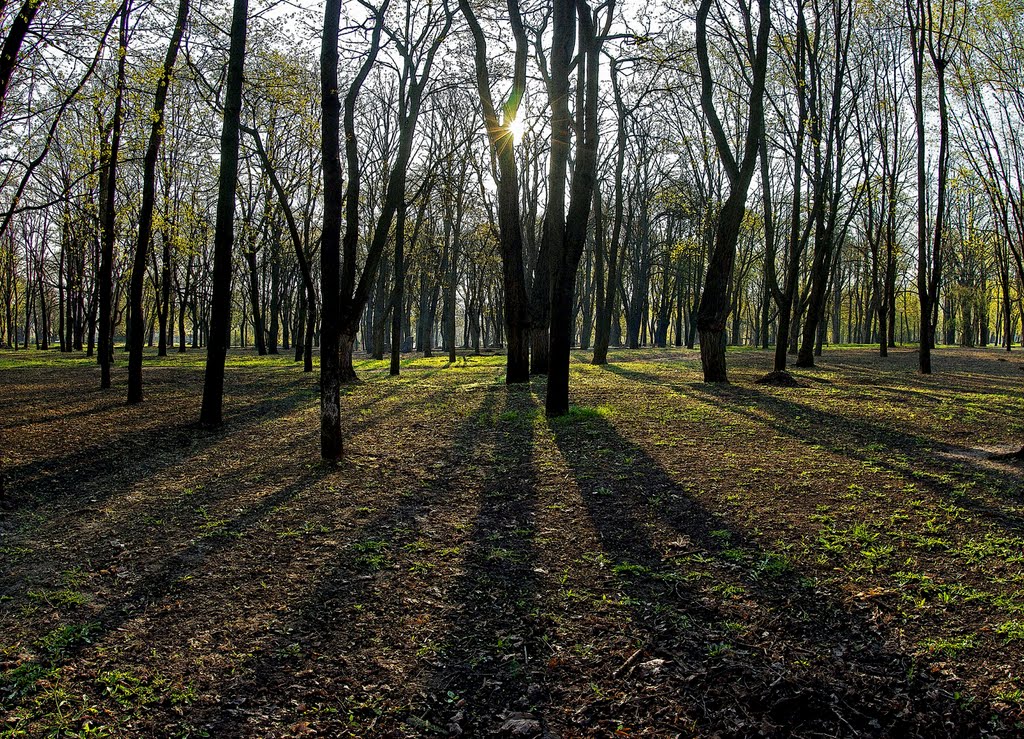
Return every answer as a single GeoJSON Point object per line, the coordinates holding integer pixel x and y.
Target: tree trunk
{"type": "Point", "coordinates": [211, 414]}
{"type": "Point", "coordinates": [516, 309]}
{"type": "Point", "coordinates": [331, 440]}
{"type": "Point", "coordinates": [716, 302]}
{"type": "Point", "coordinates": [145, 235]}
{"type": "Point", "coordinates": [398, 297]}
{"type": "Point", "coordinates": [565, 258]}
{"type": "Point", "coordinates": [108, 207]}
{"type": "Point", "coordinates": [275, 290]}
{"type": "Point", "coordinates": [259, 339]}
{"type": "Point", "coordinates": [166, 320]}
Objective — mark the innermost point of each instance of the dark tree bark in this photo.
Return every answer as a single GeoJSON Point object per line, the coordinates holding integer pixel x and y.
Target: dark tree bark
{"type": "Point", "coordinates": [108, 195]}
{"type": "Point", "coordinates": [398, 297]}
{"type": "Point", "coordinates": [274, 328]}
{"type": "Point", "coordinates": [828, 171]}
{"type": "Point", "coordinates": [716, 301]}
{"type": "Point", "coordinates": [211, 414]}
{"type": "Point", "coordinates": [12, 44]}
{"type": "Point", "coordinates": [258, 319]}
{"type": "Point", "coordinates": [931, 32]}
{"type": "Point", "coordinates": [138, 277]}
{"type": "Point", "coordinates": [350, 305]}
{"type": "Point", "coordinates": [786, 295]}
{"type": "Point", "coordinates": [563, 40]}
{"type": "Point", "coordinates": [166, 319]}
{"type": "Point", "coordinates": [565, 257]}
{"type": "Point", "coordinates": [331, 440]}
{"type": "Point", "coordinates": [516, 308]}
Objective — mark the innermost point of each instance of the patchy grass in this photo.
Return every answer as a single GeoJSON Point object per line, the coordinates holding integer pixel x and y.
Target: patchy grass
{"type": "Point", "coordinates": [669, 558]}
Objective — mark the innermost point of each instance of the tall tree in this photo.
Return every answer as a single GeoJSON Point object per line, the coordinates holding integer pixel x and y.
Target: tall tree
{"type": "Point", "coordinates": [567, 251]}
{"type": "Point", "coordinates": [108, 208]}
{"type": "Point", "coordinates": [828, 133]}
{"type": "Point", "coordinates": [935, 31]}
{"type": "Point", "coordinates": [785, 294]}
{"type": "Point", "coordinates": [502, 146]}
{"type": "Point", "coordinates": [136, 327]}
{"type": "Point", "coordinates": [211, 414]}
{"type": "Point", "coordinates": [716, 301]}
{"type": "Point", "coordinates": [331, 440]}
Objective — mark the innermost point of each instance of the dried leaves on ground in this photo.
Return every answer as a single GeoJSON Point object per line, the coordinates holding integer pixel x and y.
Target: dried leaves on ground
{"type": "Point", "coordinates": [840, 558]}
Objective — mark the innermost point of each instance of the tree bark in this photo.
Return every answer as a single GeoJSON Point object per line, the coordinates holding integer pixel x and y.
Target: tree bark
{"type": "Point", "coordinates": [331, 440]}
{"type": "Point", "coordinates": [716, 302]}
{"type": "Point", "coordinates": [218, 339]}
{"type": "Point", "coordinates": [516, 308]}
{"type": "Point", "coordinates": [145, 235]}
{"type": "Point", "coordinates": [12, 44]}
{"type": "Point", "coordinates": [566, 257]}
{"type": "Point", "coordinates": [108, 206]}
{"type": "Point", "coordinates": [398, 296]}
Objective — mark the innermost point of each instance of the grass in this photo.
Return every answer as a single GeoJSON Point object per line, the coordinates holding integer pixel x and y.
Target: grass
{"type": "Point", "coordinates": [471, 559]}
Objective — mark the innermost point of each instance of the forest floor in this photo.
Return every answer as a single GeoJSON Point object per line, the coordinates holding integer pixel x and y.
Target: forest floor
{"type": "Point", "coordinates": [672, 558]}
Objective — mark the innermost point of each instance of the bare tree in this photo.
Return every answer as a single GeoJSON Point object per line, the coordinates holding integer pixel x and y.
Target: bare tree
{"type": "Point", "coordinates": [211, 414]}
{"type": "Point", "coordinates": [502, 142]}
{"type": "Point", "coordinates": [156, 134]}
{"type": "Point", "coordinates": [716, 301]}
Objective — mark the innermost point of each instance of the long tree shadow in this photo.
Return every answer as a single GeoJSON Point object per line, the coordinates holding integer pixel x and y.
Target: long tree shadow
{"type": "Point", "coordinates": [378, 593]}
{"type": "Point", "coordinates": [177, 511]}
{"type": "Point", "coordinates": [490, 665]}
{"type": "Point", "coordinates": [752, 645]}
{"type": "Point", "coordinates": [93, 474]}
{"type": "Point", "coordinates": [186, 545]}
{"type": "Point", "coordinates": [880, 445]}
{"type": "Point", "coordinates": [74, 476]}
{"type": "Point", "coordinates": [160, 589]}
{"type": "Point", "coordinates": [902, 454]}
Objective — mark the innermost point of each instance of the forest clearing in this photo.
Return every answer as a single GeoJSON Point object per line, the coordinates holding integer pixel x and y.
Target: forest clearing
{"type": "Point", "coordinates": [669, 558]}
{"type": "Point", "coordinates": [523, 369]}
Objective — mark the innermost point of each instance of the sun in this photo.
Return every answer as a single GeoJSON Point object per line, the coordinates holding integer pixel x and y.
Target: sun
{"type": "Point", "coordinates": [517, 127]}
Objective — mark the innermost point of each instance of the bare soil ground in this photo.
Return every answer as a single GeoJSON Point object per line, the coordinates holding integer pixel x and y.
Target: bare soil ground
{"type": "Point", "coordinates": [672, 558]}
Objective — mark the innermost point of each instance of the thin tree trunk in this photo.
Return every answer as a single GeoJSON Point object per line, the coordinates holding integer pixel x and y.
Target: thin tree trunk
{"type": "Point", "coordinates": [331, 441]}
{"type": "Point", "coordinates": [108, 188]}
{"type": "Point", "coordinates": [398, 297]}
{"type": "Point", "coordinates": [138, 277]}
{"type": "Point", "coordinates": [224, 235]}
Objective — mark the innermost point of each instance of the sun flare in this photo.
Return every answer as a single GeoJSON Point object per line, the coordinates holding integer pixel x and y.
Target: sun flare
{"type": "Point", "coordinates": [517, 128]}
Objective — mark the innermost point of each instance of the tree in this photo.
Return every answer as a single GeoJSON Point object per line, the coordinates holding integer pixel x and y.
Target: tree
{"type": "Point", "coordinates": [211, 414]}
{"type": "Point", "coordinates": [716, 301]}
{"type": "Point", "coordinates": [934, 31]}
{"type": "Point", "coordinates": [156, 135]}
{"type": "Point", "coordinates": [108, 207]}
{"type": "Point", "coordinates": [502, 143]}
{"type": "Point", "coordinates": [828, 133]}
{"type": "Point", "coordinates": [567, 249]}
{"type": "Point", "coordinates": [297, 242]}
{"type": "Point", "coordinates": [331, 440]}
